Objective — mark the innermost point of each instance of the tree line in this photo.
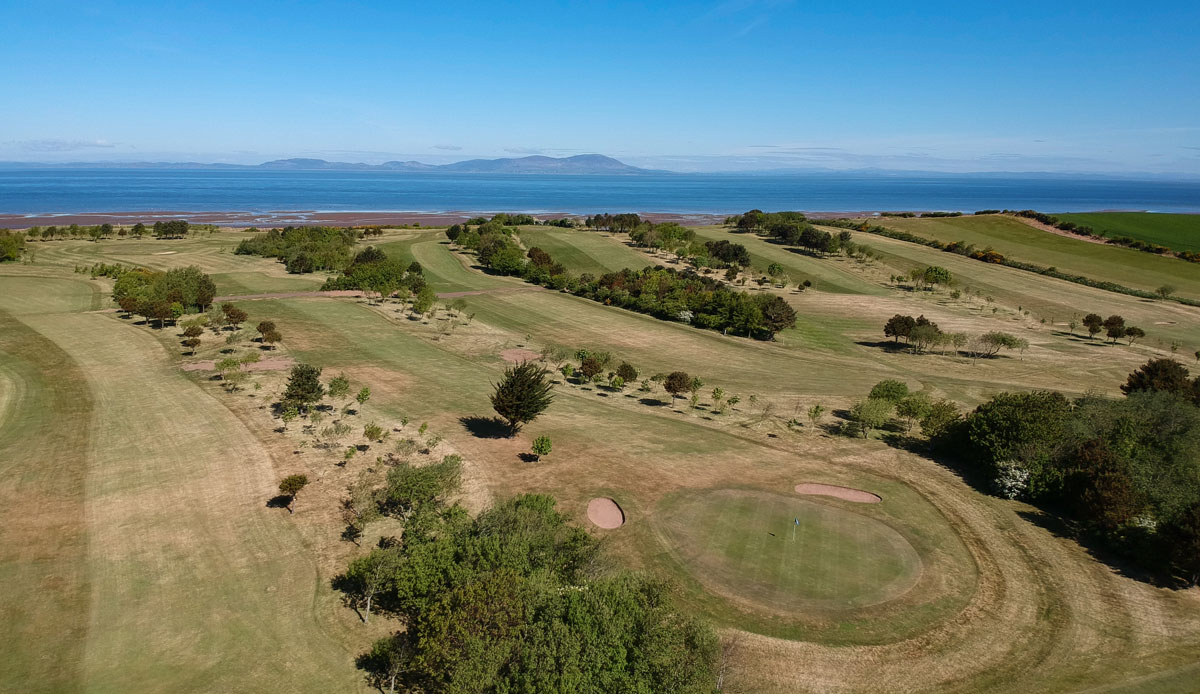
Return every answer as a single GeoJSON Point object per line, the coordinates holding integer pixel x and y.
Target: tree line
{"type": "Point", "coordinates": [303, 249]}
{"type": "Point", "coordinates": [162, 296]}
{"type": "Point", "coordinates": [1127, 470]}
{"type": "Point", "coordinates": [373, 271]}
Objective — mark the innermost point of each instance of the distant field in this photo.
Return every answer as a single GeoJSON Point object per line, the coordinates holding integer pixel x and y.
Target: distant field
{"type": "Point", "coordinates": [1179, 232]}
{"type": "Point", "coordinates": [1020, 241]}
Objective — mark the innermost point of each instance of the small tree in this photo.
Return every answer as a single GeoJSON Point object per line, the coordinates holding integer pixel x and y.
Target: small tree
{"type": "Point", "coordinates": [541, 447]}
{"type": "Point", "coordinates": [193, 331]}
{"type": "Point", "coordinates": [192, 343]}
{"type": "Point", "coordinates": [1114, 327]}
{"type": "Point", "coordinates": [1164, 292]}
{"type": "Point", "coordinates": [890, 389]}
{"type": "Point", "coordinates": [373, 574]}
{"type": "Point", "coordinates": [228, 364]}
{"type": "Point", "coordinates": [1134, 333]}
{"type": "Point", "coordinates": [363, 396]}
{"type": "Point", "coordinates": [265, 327]}
{"type": "Point", "coordinates": [590, 366]}
{"type": "Point", "coordinates": [914, 408]}
{"type": "Point", "coordinates": [522, 394]}
{"type": "Point", "coordinates": [677, 383]}
{"type": "Point", "coordinates": [815, 413]}
{"type": "Point", "coordinates": [339, 387]}
{"type": "Point", "coordinates": [304, 387]}
{"type": "Point", "coordinates": [373, 432]}
{"type": "Point", "coordinates": [233, 315]}
{"type": "Point", "coordinates": [272, 338]}
{"type": "Point", "coordinates": [424, 300]}
{"type": "Point", "coordinates": [871, 414]}
{"type": "Point", "coordinates": [627, 372]}
{"type": "Point", "coordinates": [385, 662]}
{"type": "Point", "coordinates": [290, 487]}
{"type": "Point", "coordinates": [1093, 322]}
{"type": "Point", "coordinates": [288, 415]}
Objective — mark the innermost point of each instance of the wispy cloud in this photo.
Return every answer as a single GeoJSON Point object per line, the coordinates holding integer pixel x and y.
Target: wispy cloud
{"type": "Point", "coordinates": [448, 148]}
{"type": "Point", "coordinates": [58, 145]}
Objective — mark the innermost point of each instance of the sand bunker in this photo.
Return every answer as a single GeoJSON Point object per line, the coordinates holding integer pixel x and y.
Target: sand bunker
{"type": "Point", "coordinates": [280, 364]}
{"type": "Point", "coordinates": [844, 493]}
{"type": "Point", "coordinates": [166, 253]}
{"type": "Point", "coordinates": [516, 356]}
{"type": "Point", "coordinates": [605, 513]}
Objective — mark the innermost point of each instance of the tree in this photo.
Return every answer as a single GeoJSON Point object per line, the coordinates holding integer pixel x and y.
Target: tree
{"type": "Point", "coordinates": [935, 275]}
{"type": "Point", "coordinates": [921, 337]}
{"type": "Point", "coordinates": [914, 408]}
{"type": "Point", "coordinates": [627, 372]}
{"type": "Point", "coordinates": [373, 432]}
{"type": "Point", "coordinates": [541, 447]}
{"type": "Point", "coordinates": [233, 315]}
{"type": "Point", "coordinates": [1134, 333]}
{"type": "Point", "coordinates": [899, 326]}
{"type": "Point", "coordinates": [193, 331]}
{"type": "Point", "coordinates": [890, 389]}
{"type": "Point", "coordinates": [265, 327]}
{"type": "Point", "coordinates": [941, 416]}
{"type": "Point", "coordinates": [590, 366]}
{"type": "Point", "coordinates": [290, 487]}
{"type": "Point", "coordinates": [368, 576]}
{"type": "Point", "coordinates": [677, 383]}
{"type": "Point", "coordinates": [304, 387]}
{"type": "Point", "coordinates": [339, 387]}
{"type": "Point", "coordinates": [385, 662]}
{"type": "Point", "coordinates": [1160, 375]}
{"type": "Point", "coordinates": [1114, 327]}
{"type": "Point", "coordinates": [522, 394]}
{"type": "Point", "coordinates": [363, 396]}
{"type": "Point", "coordinates": [289, 415]}
{"type": "Point", "coordinates": [1182, 539]}
{"type": "Point", "coordinates": [815, 413]}
{"type": "Point", "coordinates": [871, 414]}
{"type": "Point", "coordinates": [227, 365]}
{"type": "Point", "coordinates": [272, 338]}
{"type": "Point", "coordinates": [1093, 322]}
{"type": "Point", "coordinates": [777, 314]}
{"type": "Point", "coordinates": [424, 300]}
{"type": "Point", "coordinates": [1164, 292]}
{"type": "Point", "coordinates": [192, 343]}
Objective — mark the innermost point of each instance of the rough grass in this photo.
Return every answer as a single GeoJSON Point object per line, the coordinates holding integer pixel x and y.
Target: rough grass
{"type": "Point", "coordinates": [1180, 232]}
{"type": "Point", "coordinates": [191, 583]}
{"type": "Point", "coordinates": [583, 251]}
{"type": "Point", "coordinates": [1019, 241]}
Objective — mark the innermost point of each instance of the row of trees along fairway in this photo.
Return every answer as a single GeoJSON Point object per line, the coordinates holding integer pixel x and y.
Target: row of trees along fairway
{"type": "Point", "coordinates": [676, 295]}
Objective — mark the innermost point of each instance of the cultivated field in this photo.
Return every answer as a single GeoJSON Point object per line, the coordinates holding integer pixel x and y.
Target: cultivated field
{"type": "Point", "coordinates": [1179, 232]}
{"type": "Point", "coordinates": [138, 551]}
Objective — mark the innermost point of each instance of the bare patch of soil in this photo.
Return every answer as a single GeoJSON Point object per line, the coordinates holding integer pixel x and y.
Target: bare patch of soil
{"type": "Point", "coordinates": [517, 355]}
{"type": "Point", "coordinates": [844, 493]}
{"type": "Point", "coordinates": [273, 364]}
{"type": "Point", "coordinates": [603, 512]}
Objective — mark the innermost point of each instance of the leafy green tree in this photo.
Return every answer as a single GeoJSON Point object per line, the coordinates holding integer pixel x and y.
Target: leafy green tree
{"type": "Point", "coordinates": [1161, 375]}
{"type": "Point", "coordinates": [368, 576]}
{"type": "Point", "coordinates": [871, 414]}
{"type": "Point", "coordinates": [1114, 327]}
{"type": "Point", "coordinates": [627, 372]}
{"type": "Point", "coordinates": [522, 394]}
{"type": "Point", "coordinates": [193, 331]}
{"type": "Point", "coordinates": [233, 315]}
{"type": "Point", "coordinates": [890, 389]}
{"type": "Point", "coordinates": [192, 343]}
{"type": "Point", "coordinates": [424, 300]}
{"type": "Point", "coordinates": [290, 487]}
{"type": "Point", "coordinates": [1164, 292]}
{"type": "Point", "coordinates": [1094, 324]}
{"type": "Point", "coordinates": [409, 487]}
{"type": "Point", "coordinates": [1134, 333]}
{"type": "Point", "coordinates": [373, 432]}
{"type": "Point", "coordinates": [304, 387]}
{"type": "Point", "coordinates": [272, 338]}
{"type": "Point", "coordinates": [363, 396]}
{"type": "Point", "coordinates": [541, 447]}
{"type": "Point", "coordinates": [265, 327]}
{"type": "Point", "coordinates": [942, 415]}
{"type": "Point", "coordinates": [339, 387]}
{"type": "Point", "coordinates": [934, 275]}
{"type": "Point", "coordinates": [815, 413]}
{"type": "Point", "coordinates": [227, 365]}
{"type": "Point", "coordinates": [914, 408]}
{"type": "Point", "coordinates": [899, 326]}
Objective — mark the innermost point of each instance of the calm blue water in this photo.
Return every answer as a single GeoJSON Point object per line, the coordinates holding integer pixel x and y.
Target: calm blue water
{"type": "Point", "coordinates": [132, 190]}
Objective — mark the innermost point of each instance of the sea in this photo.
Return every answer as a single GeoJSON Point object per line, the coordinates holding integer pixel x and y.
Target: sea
{"type": "Point", "coordinates": [65, 191]}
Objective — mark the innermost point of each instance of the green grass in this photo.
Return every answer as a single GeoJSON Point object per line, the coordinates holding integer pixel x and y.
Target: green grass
{"type": "Point", "coordinates": [748, 544]}
{"type": "Point", "coordinates": [1020, 241]}
{"type": "Point", "coordinates": [1179, 232]}
{"type": "Point", "coordinates": [585, 251]}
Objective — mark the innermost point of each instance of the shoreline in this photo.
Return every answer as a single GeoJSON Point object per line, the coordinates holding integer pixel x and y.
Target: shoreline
{"type": "Point", "coordinates": [242, 219]}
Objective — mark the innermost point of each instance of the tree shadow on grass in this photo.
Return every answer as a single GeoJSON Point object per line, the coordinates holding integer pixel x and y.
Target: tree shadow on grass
{"type": "Point", "coordinates": [652, 402]}
{"type": "Point", "coordinates": [527, 457]}
{"type": "Point", "coordinates": [485, 427]}
{"type": "Point", "coordinates": [885, 345]}
{"type": "Point", "coordinates": [1097, 548]}
{"type": "Point", "coordinates": [280, 501]}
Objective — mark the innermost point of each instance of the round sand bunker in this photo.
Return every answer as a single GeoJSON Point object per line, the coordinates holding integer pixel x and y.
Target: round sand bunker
{"type": "Point", "coordinates": [843, 493]}
{"type": "Point", "coordinates": [603, 512]}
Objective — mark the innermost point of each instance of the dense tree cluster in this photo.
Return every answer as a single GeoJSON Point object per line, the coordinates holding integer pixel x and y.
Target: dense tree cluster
{"type": "Point", "coordinates": [162, 296]}
{"type": "Point", "coordinates": [374, 271]}
{"type": "Point", "coordinates": [923, 335]}
{"type": "Point", "coordinates": [303, 249]}
{"type": "Point", "coordinates": [12, 244]}
{"type": "Point", "coordinates": [512, 599]}
{"type": "Point", "coordinates": [1128, 469]}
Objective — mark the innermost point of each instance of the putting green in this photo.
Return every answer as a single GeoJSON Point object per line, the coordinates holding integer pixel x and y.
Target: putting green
{"type": "Point", "coordinates": [739, 544]}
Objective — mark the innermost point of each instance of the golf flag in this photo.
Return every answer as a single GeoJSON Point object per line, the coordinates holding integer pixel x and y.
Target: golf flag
{"type": "Point", "coordinates": [797, 522]}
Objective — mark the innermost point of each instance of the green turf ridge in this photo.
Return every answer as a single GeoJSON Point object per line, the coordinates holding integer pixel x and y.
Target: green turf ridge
{"type": "Point", "coordinates": [1179, 232]}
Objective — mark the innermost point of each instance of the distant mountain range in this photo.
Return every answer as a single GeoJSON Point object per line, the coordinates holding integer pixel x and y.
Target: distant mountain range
{"type": "Point", "coordinates": [579, 164]}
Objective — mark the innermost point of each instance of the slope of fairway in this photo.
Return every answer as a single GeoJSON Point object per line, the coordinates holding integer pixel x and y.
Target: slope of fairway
{"type": "Point", "coordinates": [1179, 232]}
{"type": "Point", "coordinates": [584, 251]}
{"type": "Point", "coordinates": [786, 554]}
{"type": "Point", "coordinates": [1019, 241]}
{"type": "Point", "coordinates": [45, 414]}
{"type": "Point", "coordinates": [193, 583]}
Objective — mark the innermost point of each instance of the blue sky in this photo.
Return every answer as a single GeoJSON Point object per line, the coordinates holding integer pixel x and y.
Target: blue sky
{"type": "Point", "coordinates": [736, 85]}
